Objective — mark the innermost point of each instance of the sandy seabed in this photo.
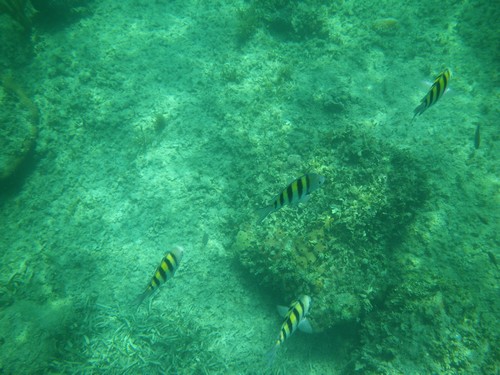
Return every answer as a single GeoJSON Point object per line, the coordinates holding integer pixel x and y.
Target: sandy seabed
{"type": "Point", "coordinates": [171, 122]}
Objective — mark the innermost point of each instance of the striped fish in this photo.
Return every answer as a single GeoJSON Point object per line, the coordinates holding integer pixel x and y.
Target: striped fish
{"type": "Point", "coordinates": [437, 90]}
{"type": "Point", "coordinates": [164, 272]}
{"type": "Point", "coordinates": [477, 137]}
{"type": "Point", "coordinates": [298, 191]}
{"type": "Point", "coordinates": [294, 317]}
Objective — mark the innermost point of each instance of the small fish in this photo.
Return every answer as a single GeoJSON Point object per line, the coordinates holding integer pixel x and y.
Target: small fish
{"type": "Point", "coordinates": [493, 259]}
{"type": "Point", "coordinates": [437, 90]}
{"type": "Point", "coordinates": [164, 272]}
{"type": "Point", "coordinates": [204, 240]}
{"type": "Point", "coordinates": [477, 137]}
{"type": "Point", "coordinates": [294, 317]}
{"type": "Point", "coordinates": [298, 191]}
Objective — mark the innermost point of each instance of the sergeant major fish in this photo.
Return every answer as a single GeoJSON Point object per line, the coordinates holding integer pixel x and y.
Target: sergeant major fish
{"type": "Point", "coordinates": [437, 90]}
{"type": "Point", "coordinates": [164, 272]}
{"type": "Point", "coordinates": [298, 191]}
{"type": "Point", "coordinates": [294, 317]}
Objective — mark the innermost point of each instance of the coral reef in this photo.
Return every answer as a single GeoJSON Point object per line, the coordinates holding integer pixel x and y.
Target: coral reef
{"type": "Point", "coordinates": [339, 247]}
{"type": "Point", "coordinates": [283, 19]}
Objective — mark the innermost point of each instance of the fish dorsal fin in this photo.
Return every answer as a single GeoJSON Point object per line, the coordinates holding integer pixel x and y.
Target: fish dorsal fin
{"type": "Point", "coordinates": [305, 326]}
{"type": "Point", "coordinates": [283, 310]}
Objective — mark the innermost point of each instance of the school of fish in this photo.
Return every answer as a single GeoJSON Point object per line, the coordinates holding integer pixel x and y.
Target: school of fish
{"type": "Point", "coordinates": [298, 191]}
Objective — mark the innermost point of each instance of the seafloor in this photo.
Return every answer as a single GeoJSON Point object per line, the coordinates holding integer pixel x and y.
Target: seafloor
{"type": "Point", "coordinates": [150, 124]}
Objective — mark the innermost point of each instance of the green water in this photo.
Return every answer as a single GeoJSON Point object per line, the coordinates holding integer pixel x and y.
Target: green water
{"type": "Point", "coordinates": [170, 123]}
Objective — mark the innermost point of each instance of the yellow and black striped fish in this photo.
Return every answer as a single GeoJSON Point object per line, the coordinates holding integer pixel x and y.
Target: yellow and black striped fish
{"type": "Point", "coordinates": [164, 272]}
{"type": "Point", "coordinates": [437, 90]}
{"type": "Point", "coordinates": [294, 317]}
{"type": "Point", "coordinates": [298, 191]}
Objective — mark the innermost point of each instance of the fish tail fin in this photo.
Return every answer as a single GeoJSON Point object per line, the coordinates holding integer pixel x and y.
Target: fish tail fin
{"type": "Point", "coordinates": [263, 212]}
{"type": "Point", "coordinates": [271, 356]}
{"type": "Point", "coordinates": [140, 298]}
{"type": "Point", "coordinates": [419, 110]}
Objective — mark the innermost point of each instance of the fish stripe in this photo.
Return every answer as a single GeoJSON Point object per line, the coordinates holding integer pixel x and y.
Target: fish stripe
{"type": "Point", "coordinates": [442, 83]}
{"type": "Point", "coordinates": [300, 309]}
{"type": "Point", "coordinates": [284, 332]}
{"type": "Point", "coordinates": [161, 272]}
{"type": "Point", "coordinates": [282, 199]}
{"type": "Point", "coordinates": [294, 318]}
{"type": "Point", "coordinates": [289, 328]}
{"type": "Point", "coordinates": [169, 264]}
{"type": "Point", "coordinates": [289, 193]}
{"type": "Point", "coordinates": [297, 314]}
{"type": "Point", "coordinates": [282, 337]}
{"type": "Point", "coordinates": [430, 98]}
{"type": "Point", "coordinates": [439, 87]}
{"type": "Point", "coordinates": [164, 266]}
{"type": "Point", "coordinates": [300, 188]}
{"type": "Point", "coordinates": [156, 281]}
{"type": "Point", "coordinates": [446, 78]}
{"type": "Point", "coordinates": [445, 85]}
{"type": "Point", "coordinates": [175, 260]}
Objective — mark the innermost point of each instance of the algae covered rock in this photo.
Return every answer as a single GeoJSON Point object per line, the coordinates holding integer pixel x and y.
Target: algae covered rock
{"type": "Point", "coordinates": [337, 247]}
{"type": "Point", "coordinates": [18, 126]}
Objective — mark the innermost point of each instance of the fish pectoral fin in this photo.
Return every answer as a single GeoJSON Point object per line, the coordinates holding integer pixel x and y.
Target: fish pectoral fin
{"type": "Point", "coordinates": [305, 198]}
{"type": "Point", "coordinates": [282, 310]}
{"type": "Point", "coordinates": [305, 326]}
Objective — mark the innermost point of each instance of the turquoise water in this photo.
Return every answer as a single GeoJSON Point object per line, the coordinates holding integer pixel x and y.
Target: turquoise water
{"type": "Point", "coordinates": [170, 123]}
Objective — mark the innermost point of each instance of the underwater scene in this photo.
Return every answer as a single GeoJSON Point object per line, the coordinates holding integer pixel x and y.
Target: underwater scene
{"type": "Point", "coordinates": [249, 187]}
